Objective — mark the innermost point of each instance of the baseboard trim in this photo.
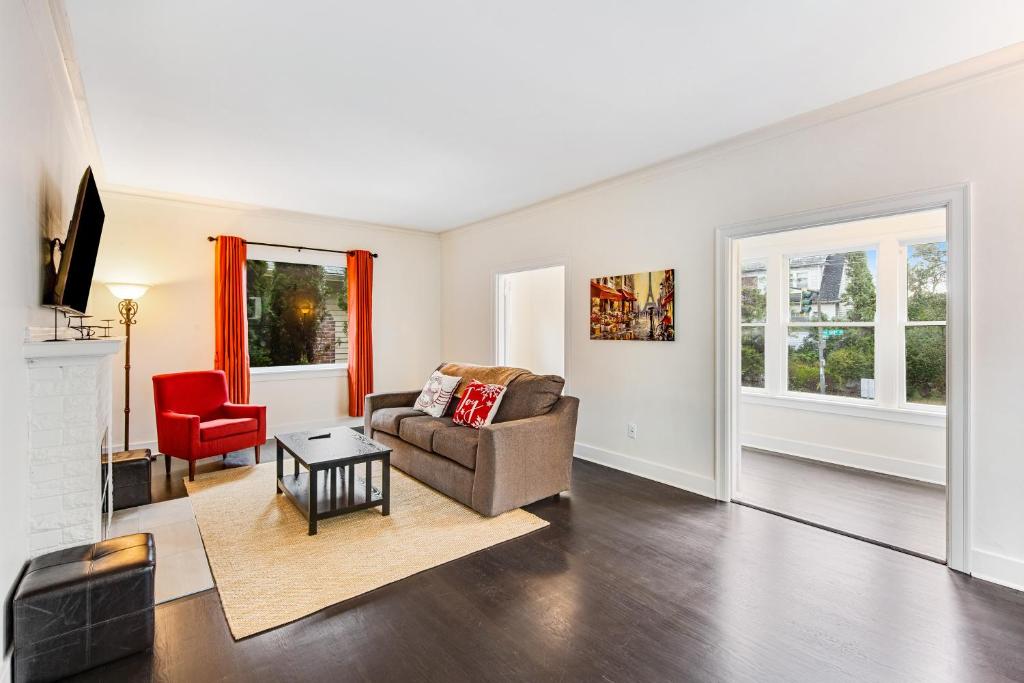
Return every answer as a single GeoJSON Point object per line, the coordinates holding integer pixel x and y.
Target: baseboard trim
{"type": "Point", "coordinates": [272, 429]}
{"type": "Point", "coordinates": [998, 568]}
{"type": "Point", "coordinates": [861, 460]}
{"type": "Point", "coordinates": [673, 476]}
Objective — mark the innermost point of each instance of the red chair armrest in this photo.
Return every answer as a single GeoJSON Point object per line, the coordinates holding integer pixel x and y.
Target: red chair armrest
{"type": "Point", "coordinates": [177, 433]}
{"type": "Point", "coordinates": [243, 410]}
{"type": "Point", "coordinates": [259, 413]}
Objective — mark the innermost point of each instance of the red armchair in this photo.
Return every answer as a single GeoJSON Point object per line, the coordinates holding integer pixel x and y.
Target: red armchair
{"type": "Point", "coordinates": [194, 419]}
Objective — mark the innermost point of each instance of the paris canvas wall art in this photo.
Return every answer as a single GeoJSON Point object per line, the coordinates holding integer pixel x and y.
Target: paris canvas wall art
{"type": "Point", "coordinates": [636, 307]}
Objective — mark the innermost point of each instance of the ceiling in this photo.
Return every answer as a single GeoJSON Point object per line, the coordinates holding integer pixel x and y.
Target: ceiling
{"type": "Point", "coordinates": [435, 114]}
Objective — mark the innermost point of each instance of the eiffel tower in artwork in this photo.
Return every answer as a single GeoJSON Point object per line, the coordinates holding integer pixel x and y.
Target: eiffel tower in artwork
{"type": "Point", "coordinates": [651, 303]}
{"type": "Point", "coordinates": [651, 306]}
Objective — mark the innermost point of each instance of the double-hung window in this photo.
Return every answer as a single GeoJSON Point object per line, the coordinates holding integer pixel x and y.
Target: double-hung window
{"type": "Point", "coordinates": [830, 341]}
{"type": "Point", "coordinates": [924, 323]}
{"type": "Point", "coordinates": [753, 317]}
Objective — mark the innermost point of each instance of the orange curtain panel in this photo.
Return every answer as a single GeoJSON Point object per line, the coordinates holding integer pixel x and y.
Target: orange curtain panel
{"type": "Point", "coordinates": [231, 350]}
{"type": "Point", "coordinates": [359, 276]}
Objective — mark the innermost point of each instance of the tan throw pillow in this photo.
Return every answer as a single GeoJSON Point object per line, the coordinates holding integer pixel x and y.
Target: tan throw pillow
{"type": "Point", "coordinates": [437, 394]}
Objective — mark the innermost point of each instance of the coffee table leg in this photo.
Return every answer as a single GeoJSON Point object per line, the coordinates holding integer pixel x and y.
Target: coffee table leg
{"type": "Point", "coordinates": [385, 485]}
{"type": "Point", "coordinates": [312, 501]}
{"type": "Point", "coordinates": [369, 480]}
{"type": "Point", "coordinates": [351, 485]}
{"type": "Point", "coordinates": [331, 472]}
{"type": "Point", "coordinates": [280, 466]}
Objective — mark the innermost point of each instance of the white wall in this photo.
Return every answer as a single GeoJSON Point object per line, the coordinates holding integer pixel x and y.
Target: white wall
{"type": "Point", "coordinates": [535, 315]}
{"type": "Point", "coordinates": [42, 158]}
{"type": "Point", "coordinates": [889, 443]}
{"type": "Point", "coordinates": [162, 242]}
{"type": "Point", "coordinates": [965, 130]}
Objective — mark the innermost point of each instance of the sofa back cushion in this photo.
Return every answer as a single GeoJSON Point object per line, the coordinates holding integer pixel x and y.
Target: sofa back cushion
{"type": "Point", "coordinates": [529, 395]}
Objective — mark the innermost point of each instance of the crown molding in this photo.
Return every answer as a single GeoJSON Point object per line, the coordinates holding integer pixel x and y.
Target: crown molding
{"type": "Point", "coordinates": [241, 207]}
{"type": "Point", "coordinates": [991, 65]}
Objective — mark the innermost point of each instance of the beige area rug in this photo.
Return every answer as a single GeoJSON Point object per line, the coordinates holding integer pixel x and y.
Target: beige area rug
{"type": "Point", "coordinates": [269, 571]}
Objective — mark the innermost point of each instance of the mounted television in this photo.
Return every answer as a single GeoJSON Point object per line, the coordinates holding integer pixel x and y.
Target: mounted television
{"type": "Point", "coordinates": [78, 255]}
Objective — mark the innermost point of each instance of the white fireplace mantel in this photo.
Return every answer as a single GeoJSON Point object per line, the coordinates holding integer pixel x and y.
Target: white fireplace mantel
{"type": "Point", "coordinates": [70, 428]}
{"type": "Point", "coordinates": [37, 352]}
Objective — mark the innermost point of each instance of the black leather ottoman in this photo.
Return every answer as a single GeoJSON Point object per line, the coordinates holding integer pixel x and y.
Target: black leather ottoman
{"type": "Point", "coordinates": [131, 478]}
{"type": "Point", "coordinates": [81, 607]}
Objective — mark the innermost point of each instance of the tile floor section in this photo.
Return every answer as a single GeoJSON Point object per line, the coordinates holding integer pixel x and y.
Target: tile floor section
{"type": "Point", "coordinates": [182, 568]}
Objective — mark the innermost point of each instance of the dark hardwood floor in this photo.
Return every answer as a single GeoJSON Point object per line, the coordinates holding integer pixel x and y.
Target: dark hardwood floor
{"type": "Point", "coordinates": [633, 581]}
{"type": "Point", "coordinates": [899, 512]}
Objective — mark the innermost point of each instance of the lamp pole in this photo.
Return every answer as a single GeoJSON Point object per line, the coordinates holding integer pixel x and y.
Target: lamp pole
{"type": "Point", "coordinates": [127, 308]}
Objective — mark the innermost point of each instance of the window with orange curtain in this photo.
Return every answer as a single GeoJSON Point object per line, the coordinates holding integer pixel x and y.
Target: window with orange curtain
{"type": "Point", "coordinates": [360, 329]}
{"type": "Point", "coordinates": [231, 344]}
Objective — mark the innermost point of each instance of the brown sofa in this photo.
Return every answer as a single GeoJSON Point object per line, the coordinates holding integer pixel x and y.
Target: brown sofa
{"type": "Point", "coordinates": [523, 456]}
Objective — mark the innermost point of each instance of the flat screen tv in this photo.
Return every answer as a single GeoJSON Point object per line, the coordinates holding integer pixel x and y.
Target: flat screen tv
{"type": "Point", "coordinates": [78, 256]}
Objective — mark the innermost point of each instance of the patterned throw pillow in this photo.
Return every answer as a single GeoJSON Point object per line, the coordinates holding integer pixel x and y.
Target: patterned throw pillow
{"type": "Point", "coordinates": [437, 394]}
{"type": "Point", "coordinates": [479, 404]}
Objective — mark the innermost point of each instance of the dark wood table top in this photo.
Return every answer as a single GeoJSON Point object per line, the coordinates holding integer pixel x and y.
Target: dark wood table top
{"type": "Point", "coordinates": [330, 446]}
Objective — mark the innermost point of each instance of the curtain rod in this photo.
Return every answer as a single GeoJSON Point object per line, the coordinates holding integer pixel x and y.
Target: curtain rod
{"type": "Point", "coordinates": [292, 246]}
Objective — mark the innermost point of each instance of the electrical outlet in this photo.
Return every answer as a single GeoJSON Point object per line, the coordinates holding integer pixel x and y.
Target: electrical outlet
{"type": "Point", "coordinates": [631, 430]}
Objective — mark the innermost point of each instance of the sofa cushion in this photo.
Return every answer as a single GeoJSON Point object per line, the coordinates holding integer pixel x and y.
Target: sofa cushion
{"type": "Point", "coordinates": [211, 430]}
{"type": "Point", "coordinates": [419, 430]}
{"type": "Point", "coordinates": [457, 444]}
{"type": "Point", "coordinates": [388, 419]}
{"type": "Point", "coordinates": [529, 395]}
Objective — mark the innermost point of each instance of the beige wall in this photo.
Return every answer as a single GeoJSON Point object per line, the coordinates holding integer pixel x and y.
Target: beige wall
{"type": "Point", "coordinates": [42, 157]}
{"type": "Point", "coordinates": [666, 217]}
{"type": "Point", "coordinates": [162, 242]}
{"type": "Point", "coordinates": [535, 314]}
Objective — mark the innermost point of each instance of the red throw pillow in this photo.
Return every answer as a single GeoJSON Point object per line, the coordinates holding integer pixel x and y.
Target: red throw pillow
{"type": "Point", "coordinates": [478, 405]}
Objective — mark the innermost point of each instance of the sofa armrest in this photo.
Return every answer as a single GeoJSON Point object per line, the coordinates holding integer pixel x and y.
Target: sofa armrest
{"type": "Point", "coordinates": [521, 461]}
{"type": "Point", "coordinates": [396, 399]}
{"type": "Point", "coordinates": [258, 413]}
{"type": "Point", "coordinates": [176, 433]}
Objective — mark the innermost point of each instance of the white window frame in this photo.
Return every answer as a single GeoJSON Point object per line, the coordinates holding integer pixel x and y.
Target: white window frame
{"type": "Point", "coordinates": [904, 322]}
{"type": "Point", "coordinates": [303, 258]}
{"type": "Point", "coordinates": [783, 295]}
{"type": "Point", "coordinates": [764, 391]}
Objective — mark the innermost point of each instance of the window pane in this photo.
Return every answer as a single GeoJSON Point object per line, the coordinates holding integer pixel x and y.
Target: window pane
{"type": "Point", "coordinates": [926, 281]}
{"type": "Point", "coordinates": [849, 354]}
{"type": "Point", "coordinates": [833, 287]}
{"type": "Point", "coordinates": [753, 291]}
{"type": "Point", "coordinates": [752, 356]}
{"type": "Point", "coordinates": [297, 314]}
{"type": "Point", "coordinates": [926, 364]}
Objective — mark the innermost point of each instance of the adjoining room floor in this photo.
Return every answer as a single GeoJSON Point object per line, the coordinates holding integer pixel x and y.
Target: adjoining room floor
{"type": "Point", "coordinates": [181, 557]}
{"type": "Point", "coordinates": [900, 512]}
{"type": "Point", "coordinates": [633, 580]}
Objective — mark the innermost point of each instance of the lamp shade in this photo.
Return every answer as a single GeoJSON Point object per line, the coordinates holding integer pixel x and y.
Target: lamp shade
{"type": "Point", "coordinates": [124, 290]}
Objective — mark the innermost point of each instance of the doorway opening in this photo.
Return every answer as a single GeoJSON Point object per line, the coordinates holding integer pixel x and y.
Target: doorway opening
{"type": "Point", "coordinates": [531, 320]}
{"type": "Point", "coordinates": [842, 391]}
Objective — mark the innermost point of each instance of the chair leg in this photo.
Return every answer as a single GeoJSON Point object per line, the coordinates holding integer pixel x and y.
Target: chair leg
{"type": "Point", "coordinates": [167, 464]}
{"type": "Point", "coordinates": [257, 455]}
{"type": "Point", "coordinates": [191, 470]}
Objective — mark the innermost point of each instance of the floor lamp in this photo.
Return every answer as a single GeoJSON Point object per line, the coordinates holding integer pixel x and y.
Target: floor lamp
{"type": "Point", "coordinates": [128, 296]}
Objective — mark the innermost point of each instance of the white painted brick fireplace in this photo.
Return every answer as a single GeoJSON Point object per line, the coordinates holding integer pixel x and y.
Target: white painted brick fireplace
{"type": "Point", "coordinates": [70, 426]}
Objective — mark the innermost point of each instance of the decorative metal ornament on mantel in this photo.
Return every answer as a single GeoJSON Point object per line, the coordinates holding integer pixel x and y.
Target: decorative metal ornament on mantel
{"type": "Point", "coordinates": [128, 307]}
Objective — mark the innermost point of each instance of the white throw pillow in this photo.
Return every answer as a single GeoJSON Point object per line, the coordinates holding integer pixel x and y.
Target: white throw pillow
{"type": "Point", "coordinates": [437, 394]}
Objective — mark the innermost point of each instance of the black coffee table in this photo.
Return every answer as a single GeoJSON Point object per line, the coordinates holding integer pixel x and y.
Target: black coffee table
{"type": "Point", "coordinates": [329, 486]}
